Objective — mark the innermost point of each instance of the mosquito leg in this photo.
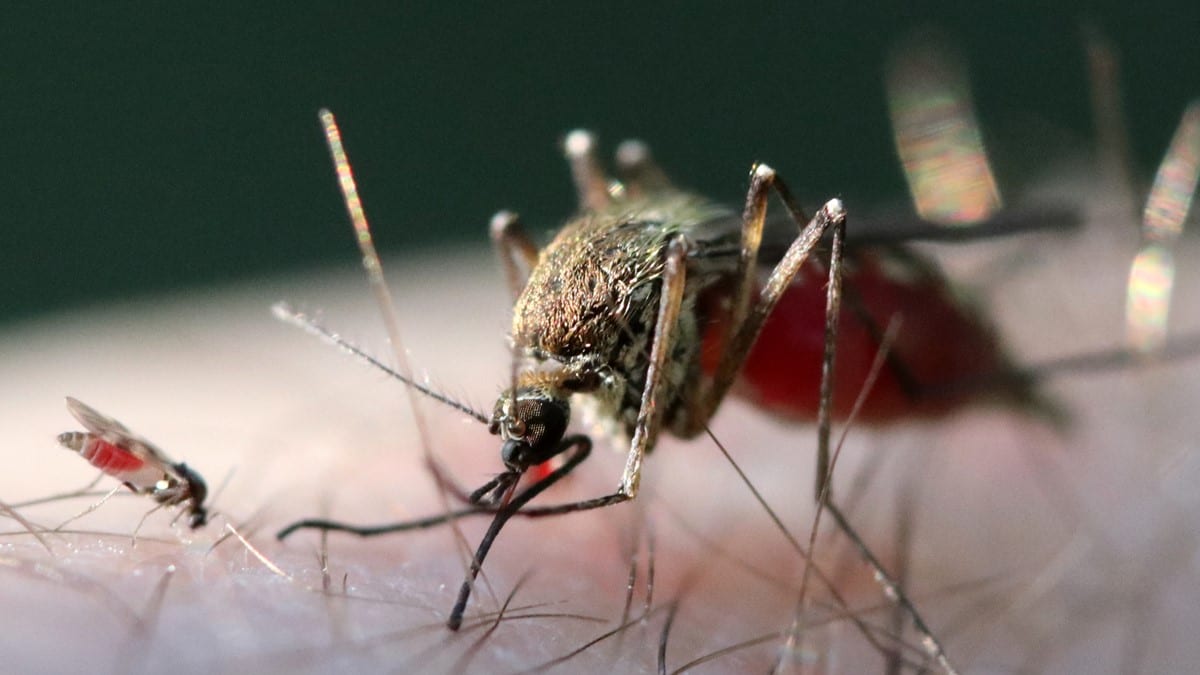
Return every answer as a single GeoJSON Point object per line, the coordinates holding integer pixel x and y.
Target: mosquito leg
{"type": "Point", "coordinates": [831, 215]}
{"type": "Point", "coordinates": [1104, 78]}
{"type": "Point", "coordinates": [833, 313]}
{"type": "Point", "coordinates": [591, 184]}
{"type": "Point", "coordinates": [649, 416]}
{"type": "Point", "coordinates": [638, 171]}
{"type": "Point", "coordinates": [894, 660]}
{"type": "Point", "coordinates": [833, 304]}
{"type": "Point", "coordinates": [583, 443]}
{"type": "Point", "coordinates": [748, 313]}
{"type": "Point", "coordinates": [892, 589]}
{"type": "Point", "coordinates": [376, 530]}
{"type": "Point", "coordinates": [518, 254]}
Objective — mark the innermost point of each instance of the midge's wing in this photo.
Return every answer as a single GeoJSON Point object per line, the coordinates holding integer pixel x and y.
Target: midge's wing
{"type": "Point", "coordinates": [118, 434]}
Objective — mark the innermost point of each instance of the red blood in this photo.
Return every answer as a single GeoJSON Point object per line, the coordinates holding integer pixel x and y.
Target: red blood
{"type": "Point", "coordinates": [541, 471]}
{"type": "Point", "coordinates": [941, 343]}
{"type": "Point", "coordinates": [113, 459]}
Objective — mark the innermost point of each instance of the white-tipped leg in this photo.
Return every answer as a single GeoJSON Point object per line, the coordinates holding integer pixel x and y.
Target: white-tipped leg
{"type": "Point", "coordinates": [591, 184]}
{"type": "Point", "coordinates": [649, 418]}
{"type": "Point", "coordinates": [638, 170]}
{"type": "Point", "coordinates": [516, 250]}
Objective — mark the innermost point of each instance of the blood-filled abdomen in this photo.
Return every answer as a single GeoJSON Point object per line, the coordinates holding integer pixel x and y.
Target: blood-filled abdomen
{"type": "Point", "coordinates": [942, 356]}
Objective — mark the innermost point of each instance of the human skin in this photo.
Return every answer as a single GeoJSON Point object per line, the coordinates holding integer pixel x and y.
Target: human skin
{"type": "Point", "coordinates": [1048, 550]}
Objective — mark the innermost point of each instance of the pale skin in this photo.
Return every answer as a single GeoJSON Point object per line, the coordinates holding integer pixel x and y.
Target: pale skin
{"type": "Point", "coordinates": [217, 383]}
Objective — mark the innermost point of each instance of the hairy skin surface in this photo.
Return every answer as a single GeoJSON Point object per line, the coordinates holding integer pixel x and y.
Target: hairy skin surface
{"type": "Point", "coordinates": [1030, 550]}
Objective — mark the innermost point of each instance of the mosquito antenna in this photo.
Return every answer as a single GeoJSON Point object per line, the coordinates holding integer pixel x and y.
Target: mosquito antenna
{"type": "Point", "coordinates": [285, 312]}
{"type": "Point", "coordinates": [1152, 275]}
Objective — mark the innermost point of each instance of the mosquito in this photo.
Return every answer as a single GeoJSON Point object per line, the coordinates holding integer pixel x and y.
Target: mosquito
{"type": "Point", "coordinates": [145, 469]}
{"type": "Point", "coordinates": [642, 311]}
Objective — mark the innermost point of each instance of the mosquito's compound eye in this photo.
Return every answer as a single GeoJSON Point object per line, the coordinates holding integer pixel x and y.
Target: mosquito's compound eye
{"type": "Point", "coordinates": [543, 422]}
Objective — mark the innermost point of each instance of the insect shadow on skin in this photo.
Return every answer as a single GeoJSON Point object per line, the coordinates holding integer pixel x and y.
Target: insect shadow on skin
{"type": "Point", "coordinates": [616, 314]}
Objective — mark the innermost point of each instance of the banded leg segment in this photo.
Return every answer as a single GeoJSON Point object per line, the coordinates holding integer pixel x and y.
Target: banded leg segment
{"type": "Point", "coordinates": [749, 313]}
{"type": "Point", "coordinates": [517, 252]}
{"type": "Point", "coordinates": [591, 183]}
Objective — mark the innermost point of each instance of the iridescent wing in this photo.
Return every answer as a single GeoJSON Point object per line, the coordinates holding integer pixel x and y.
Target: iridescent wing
{"type": "Point", "coordinates": [113, 432]}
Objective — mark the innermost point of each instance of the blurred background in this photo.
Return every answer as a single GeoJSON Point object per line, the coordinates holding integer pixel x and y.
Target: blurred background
{"type": "Point", "coordinates": [167, 146]}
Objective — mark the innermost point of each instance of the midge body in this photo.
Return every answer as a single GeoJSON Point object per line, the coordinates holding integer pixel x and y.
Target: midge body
{"type": "Point", "coordinates": [644, 308]}
{"type": "Point", "coordinates": [145, 469]}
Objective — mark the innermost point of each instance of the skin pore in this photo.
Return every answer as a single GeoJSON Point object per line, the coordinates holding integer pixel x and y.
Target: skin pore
{"type": "Point", "coordinates": [1029, 548]}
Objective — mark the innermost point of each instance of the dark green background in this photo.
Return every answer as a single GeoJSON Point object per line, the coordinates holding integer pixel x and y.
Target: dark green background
{"type": "Point", "coordinates": [145, 149]}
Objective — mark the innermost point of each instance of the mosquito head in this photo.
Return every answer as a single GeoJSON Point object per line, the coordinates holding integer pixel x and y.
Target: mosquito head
{"type": "Point", "coordinates": [197, 492]}
{"type": "Point", "coordinates": [532, 422]}
{"type": "Point", "coordinates": [199, 516]}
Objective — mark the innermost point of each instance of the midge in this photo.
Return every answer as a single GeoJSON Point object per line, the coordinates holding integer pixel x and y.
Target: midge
{"type": "Point", "coordinates": [109, 446]}
{"type": "Point", "coordinates": [644, 307]}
